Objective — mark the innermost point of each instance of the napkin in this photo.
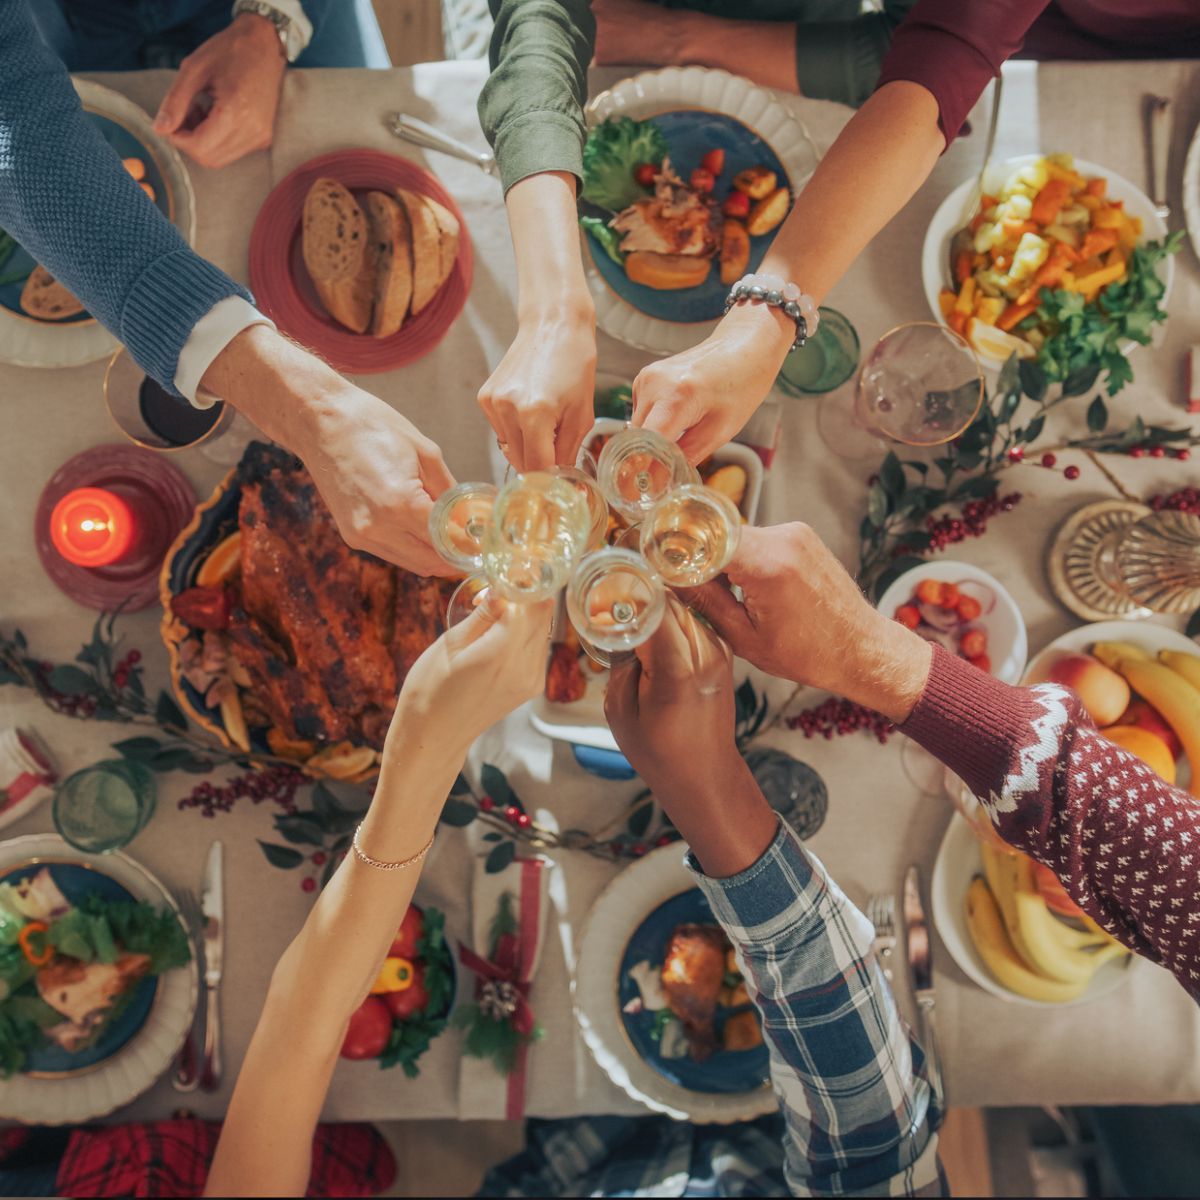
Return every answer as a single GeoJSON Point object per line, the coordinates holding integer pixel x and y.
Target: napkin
{"type": "Point", "coordinates": [485, 1093]}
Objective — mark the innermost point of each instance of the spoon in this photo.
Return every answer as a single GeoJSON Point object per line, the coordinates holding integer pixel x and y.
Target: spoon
{"type": "Point", "coordinates": [964, 239]}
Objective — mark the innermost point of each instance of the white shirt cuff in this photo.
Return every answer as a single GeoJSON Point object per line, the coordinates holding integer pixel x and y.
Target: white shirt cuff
{"type": "Point", "coordinates": [213, 332]}
{"type": "Point", "coordinates": [301, 31]}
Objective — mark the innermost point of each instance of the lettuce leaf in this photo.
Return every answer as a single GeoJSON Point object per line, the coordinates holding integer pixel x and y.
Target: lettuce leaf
{"type": "Point", "coordinates": [609, 239]}
{"type": "Point", "coordinates": [97, 930]}
{"type": "Point", "coordinates": [611, 153]}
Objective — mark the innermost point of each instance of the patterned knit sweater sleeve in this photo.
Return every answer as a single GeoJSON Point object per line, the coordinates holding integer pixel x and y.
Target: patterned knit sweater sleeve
{"type": "Point", "coordinates": [66, 198]}
{"type": "Point", "coordinates": [1125, 844]}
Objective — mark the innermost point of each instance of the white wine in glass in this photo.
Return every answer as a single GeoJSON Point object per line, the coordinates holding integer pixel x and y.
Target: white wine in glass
{"type": "Point", "coordinates": [539, 531]}
{"type": "Point", "coordinates": [458, 521]}
{"type": "Point", "coordinates": [615, 601]}
{"type": "Point", "coordinates": [589, 489]}
{"type": "Point", "coordinates": [690, 535]}
{"type": "Point", "coordinates": [637, 468]}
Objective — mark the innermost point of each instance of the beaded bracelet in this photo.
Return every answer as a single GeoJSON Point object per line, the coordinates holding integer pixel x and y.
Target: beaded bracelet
{"type": "Point", "coordinates": [775, 290]}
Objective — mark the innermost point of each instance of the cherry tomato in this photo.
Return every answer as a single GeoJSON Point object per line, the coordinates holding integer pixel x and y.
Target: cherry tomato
{"type": "Point", "coordinates": [908, 615]}
{"type": "Point", "coordinates": [644, 173]}
{"type": "Point", "coordinates": [714, 161]}
{"type": "Point", "coordinates": [973, 643]}
{"type": "Point", "coordinates": [737, 204]}
{"type": "Point", "coordinates": [369, 1029]}
{"type": "Point", "coordinates": [413, 999]}
{"type": "Point", "coordinates": [949, 595]}
{"type": "Point", "coordinates": [702, 180]}
{"type": "Point", "coordinates": [404, 944]}
{"type": "Point", "coordinates": [203, 607]}
{"type": "Point", "coordinates": [968, 608]}
{"type": "Point", "coordinates": [929, 591]}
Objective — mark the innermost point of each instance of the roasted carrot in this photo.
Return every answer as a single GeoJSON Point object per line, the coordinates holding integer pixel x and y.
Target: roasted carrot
{"type": "Point", "coordinates": [958, 322]}
{"type": "Point", "coordinates": [1049, 200]}
{"type": "Point", "coordinates": [1096, 241]}
{"type": "Point", "coordinates": [1015, 313]}
{"type": "Point", "coordinates": [962, 266]}
{"type": "Point", "coordinates": [1096, 187]}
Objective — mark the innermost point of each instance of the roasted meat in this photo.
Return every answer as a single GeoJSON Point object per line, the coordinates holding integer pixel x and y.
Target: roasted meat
{"type": "Point", "coordinates": [325, 633]}
{"type": "Point", "coordinates": [85, 992]}
{"type": "Point", "coordinates": [675, 220]}
{"type": "Point", "coordinates": [693, 973]}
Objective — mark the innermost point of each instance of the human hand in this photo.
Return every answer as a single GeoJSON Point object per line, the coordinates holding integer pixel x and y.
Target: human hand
{"type": "Point", "coordinates": [476, 673]}
{"type": "Point", "coordinates": [240, 70]}
{"type": "Point", "coordinates": [539, 399]}
{"type": "Point", "coordinates": [703, 396]}
{"type": "Point", "coordinates": [621, 32]}
{"type": "Point", "coordinates": [803, 618]}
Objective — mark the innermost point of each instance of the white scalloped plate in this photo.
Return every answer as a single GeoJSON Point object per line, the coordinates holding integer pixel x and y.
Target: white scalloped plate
{"type": "Point", "coordinates": [668, 90]}
{"type": "Point", "coordinates": [26, 342]}
{"type": "Point", "coordinates": [619, 910]}
{"type": "Point", "coordinates": [134, 1068]}
{"type": "Point", "coordinates": [1191, 192]}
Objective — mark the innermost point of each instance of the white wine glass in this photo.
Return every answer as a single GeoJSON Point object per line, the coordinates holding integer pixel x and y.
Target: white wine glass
{"type": "Point", "coordinates": [538, 532]}
{"type": "Point", "coordinates": [690, 535]}
{"type": "Point", "coordinates": [466, 598]}
{"type": "Point", "coordinates": [637, 468]}
{"type": "Point", "coordinates": [615, 602]}
{"type": "Point", "coordinates": [458, 521]}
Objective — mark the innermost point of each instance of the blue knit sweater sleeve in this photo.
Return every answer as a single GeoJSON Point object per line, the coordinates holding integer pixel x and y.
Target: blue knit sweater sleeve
{"type": "Point", "coordinates": [66, 198]}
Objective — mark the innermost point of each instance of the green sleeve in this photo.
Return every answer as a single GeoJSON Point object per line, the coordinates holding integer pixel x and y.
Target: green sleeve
{"type": "Point", "coordinates": [840, 60]}
{"type": "Point", "coordinates": [531, 107]}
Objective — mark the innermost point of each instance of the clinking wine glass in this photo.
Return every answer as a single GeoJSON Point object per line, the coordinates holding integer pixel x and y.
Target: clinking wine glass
{"type": "Point", "coordinates": [690, 535]}
{"type": "Point", "coordinates": [637, 468]}
{"type": "Point", "coordinates": [458, 521]}
{"type": "Point", "coordinates": [615, 601]}
{"type": "Point", "coordinates": [466, 598]}
{"type": "Point", "coordinates": [539, 531]}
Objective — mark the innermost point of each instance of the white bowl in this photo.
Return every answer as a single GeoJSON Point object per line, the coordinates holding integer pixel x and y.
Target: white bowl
{"type": "Point", "coordinates": [958, 862]}
{"type": "Point", "coordinates": [1008, 645]}
{"type": "Point", "coordinates": [949, 219]}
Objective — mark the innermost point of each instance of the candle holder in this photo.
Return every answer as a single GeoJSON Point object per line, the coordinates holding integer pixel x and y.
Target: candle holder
{"type": "Point", "coordinates": [150, 493]}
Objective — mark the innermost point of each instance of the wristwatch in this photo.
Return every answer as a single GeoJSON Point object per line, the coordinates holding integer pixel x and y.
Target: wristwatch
{"type": "Point", "coordinates": [290, 37]}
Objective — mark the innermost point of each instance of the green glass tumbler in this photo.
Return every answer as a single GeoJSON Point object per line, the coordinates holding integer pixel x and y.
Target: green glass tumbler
{"type": "Point", "coordinates": [104, 807]}
{"type": "Point", "coordinates": [825, 362]}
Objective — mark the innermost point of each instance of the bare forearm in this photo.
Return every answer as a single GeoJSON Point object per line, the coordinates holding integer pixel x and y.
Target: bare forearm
{"type": "Point", "coordinates": [764, 51]}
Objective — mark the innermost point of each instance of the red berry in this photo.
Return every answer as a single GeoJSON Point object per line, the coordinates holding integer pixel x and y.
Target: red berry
{"type": "Point", "coordinates": [309, 884]}
{"type": "Point", "coordinates": [1183, 454]}
{"type": "Point", "coordinates": [644, 173]}
{"type": "Point", "coordinates": [319, 859]}
{"type": "Point", "coordinates": [523, 821]}
{"type": "Point", "coordinates": [1048, 460]}
{"type": "Point", "coordinates": [120, 677]}
{"type": "Point", "coordinates": [664, 840]}
{"type": "Point", "coordinates": [968, 608]}
{"type": "Point", "coordinates": [486, 803]}
{"type": "Point", "coordinates": [1016, 453]}
{"type": "Point", "coordinates": [973, 643]}
{"type": "Point", "coordinates": [872, 480]}
{"type": "Point", "coordinates": [638, 849]}
{"type": "Point", "coordinates": [702, 180]}
{"type": "Point", "coordinates": [1136, 451]}
{"type": "Point", "coordinates": [714, 161]}
{"type": "Point", "coordinates": [512, 812]}
{"type": "Point", "coordinates": [134, 657]}
{"type": "Point", "coordinates": [1072, 472]}
{"type": "Point", "coordinates": [908, 615]}
{"type": "Point", "coordinates": [737, 204]}
{"type": "Point", "coordinates": [1157, 452]}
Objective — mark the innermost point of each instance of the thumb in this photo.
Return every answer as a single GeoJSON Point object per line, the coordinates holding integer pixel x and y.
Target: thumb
{"type": "Point", "coordinates": [177, 103]}
{"type": "Point", "coordinates": [716, 604]}
{"type": "Point", "coordinates": [668, 416]}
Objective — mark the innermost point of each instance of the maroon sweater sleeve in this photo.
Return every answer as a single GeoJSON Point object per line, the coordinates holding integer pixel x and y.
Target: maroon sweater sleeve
{"type": "Point", "coordinates": [1125, 844]}
{"type": "Point", "coordinates": [952, 48]}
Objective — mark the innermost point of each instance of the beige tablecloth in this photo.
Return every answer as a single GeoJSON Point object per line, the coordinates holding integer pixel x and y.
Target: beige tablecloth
{"type": "Point", "coordinates": [1141, 1044]}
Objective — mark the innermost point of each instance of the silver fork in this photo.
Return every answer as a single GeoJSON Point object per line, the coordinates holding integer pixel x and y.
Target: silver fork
{"type": "Point", "coordinates": [185, 1076]}
{"type": "Point", "coordinates": [881, 912]}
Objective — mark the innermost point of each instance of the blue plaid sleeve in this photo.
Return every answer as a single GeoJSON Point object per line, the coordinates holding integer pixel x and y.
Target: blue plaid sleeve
{"type": "Point", "coordinates": [860, 1114]}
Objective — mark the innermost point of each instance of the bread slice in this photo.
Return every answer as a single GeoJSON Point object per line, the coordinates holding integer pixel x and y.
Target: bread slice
{"type": "Point", "coordinates": [390, 249]}
{"type": "Point", "coordinates": [448, 230]}
{"type": "Point", "coordinates": [335, 253]}
{"type": "Point", "coordinates": [426, 248]}
{"type": "Point", "coordinates": [45, 298]}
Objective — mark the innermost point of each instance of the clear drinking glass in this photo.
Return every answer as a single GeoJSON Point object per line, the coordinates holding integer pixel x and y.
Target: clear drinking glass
{"type": "Point", "coordinates": [637, 468]}
{"type": "Point", "coordinates": [465, 599]}
{"type": "Point", "coordinates": [825, 361]}
{"type": "Point", "coordinates": [104, 807]}
{"type": "Point", "coordinates": [458, 522]}
{"type": "Point", "coordinates": [593, 497]}
{"type": "Point", "coordinates": [539, 531]}
{"type": "Point", "coordinates": [690, 535]}
{"type": "Point", "coordinates": [615, 601]}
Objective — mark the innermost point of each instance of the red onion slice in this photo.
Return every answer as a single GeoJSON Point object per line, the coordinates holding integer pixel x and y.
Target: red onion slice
{"type": "Point", "coordinates": [978, 591]}
{"type": "Point", "coordinates": [943, 619]}
{"type": "Point", "coordinates": [938, 637]}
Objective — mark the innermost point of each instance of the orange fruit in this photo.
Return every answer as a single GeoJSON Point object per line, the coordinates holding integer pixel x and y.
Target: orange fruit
{"type": "Point", "coordinates": [1150, 748]}
{"type": "Point", "coordinates": [223, 560]}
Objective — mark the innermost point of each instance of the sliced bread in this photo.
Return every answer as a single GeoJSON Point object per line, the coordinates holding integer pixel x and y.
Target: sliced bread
{"type": "Point", "coordinates": [448, 229]}
{"type": "Point", "coordinates": [45, 298]}
{"type": "Point", "coordinates": [426, 248]}
{"type": "Point", "coordinates": [335, 253]}
{"type": "Point", "coordinates": [390, 247]}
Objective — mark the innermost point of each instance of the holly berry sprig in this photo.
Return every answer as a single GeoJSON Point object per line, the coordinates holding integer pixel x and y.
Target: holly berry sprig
{"type": "Point", "coordinates": [904, 521]}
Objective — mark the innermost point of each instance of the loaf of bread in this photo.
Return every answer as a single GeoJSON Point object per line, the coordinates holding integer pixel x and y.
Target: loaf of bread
{"type": "Point", "coordinates": [45, 298]}
{"type": "Point", "coordinates": [390, 248]}
{"type": "Point", "coordinates": [336, 254]}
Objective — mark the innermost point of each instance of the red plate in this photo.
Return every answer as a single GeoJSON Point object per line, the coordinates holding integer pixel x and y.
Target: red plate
{"type": "Point", "coordinates": [284, 291]}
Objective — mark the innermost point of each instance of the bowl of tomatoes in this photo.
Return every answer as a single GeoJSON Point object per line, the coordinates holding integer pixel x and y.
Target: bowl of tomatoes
{"type": "Point", "coordinates": [964, 610]}
{"type": "Point", "coordinates": [410, 1001]}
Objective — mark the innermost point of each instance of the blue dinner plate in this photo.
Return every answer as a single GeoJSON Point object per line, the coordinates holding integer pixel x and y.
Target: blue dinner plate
{"type": "Point", "coordinates": [127, 146]}
{"type": "Point", "coordinates": [727, 1071]}
{"type": "Point", "coordinates": [690, 135]}
{"type": "Point", "coordinates": [76, 881]}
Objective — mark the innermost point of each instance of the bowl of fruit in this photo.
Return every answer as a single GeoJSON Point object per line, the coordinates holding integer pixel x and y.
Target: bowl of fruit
{"type": "Point", "coordinates": [964, 610]}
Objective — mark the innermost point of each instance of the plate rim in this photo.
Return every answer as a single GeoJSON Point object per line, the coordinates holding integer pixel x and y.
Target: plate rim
{"type": "Point", "coordinates": [1191, 191]}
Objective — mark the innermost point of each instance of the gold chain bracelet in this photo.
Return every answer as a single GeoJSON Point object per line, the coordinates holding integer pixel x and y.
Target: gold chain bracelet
{"type": "Point", "coordinates": [363, 857]}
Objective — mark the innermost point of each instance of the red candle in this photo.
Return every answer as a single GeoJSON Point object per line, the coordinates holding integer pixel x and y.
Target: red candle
{"type": "Point", "coordinates": [92, 527]}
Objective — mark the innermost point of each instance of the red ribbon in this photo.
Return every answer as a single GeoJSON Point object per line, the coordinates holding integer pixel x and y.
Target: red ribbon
{"type": "Point", "coordinates": [503, 969]}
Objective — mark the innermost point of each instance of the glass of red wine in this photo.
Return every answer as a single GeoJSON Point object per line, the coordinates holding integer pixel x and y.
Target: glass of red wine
{"type": "Point", "coordinates": [150, 417]}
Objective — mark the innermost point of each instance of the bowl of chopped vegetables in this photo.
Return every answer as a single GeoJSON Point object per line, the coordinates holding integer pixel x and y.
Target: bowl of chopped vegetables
{"type": "Point", "coordinates": [1065, 263]}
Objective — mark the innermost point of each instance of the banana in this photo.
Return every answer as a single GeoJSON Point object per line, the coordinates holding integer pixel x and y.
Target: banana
{"type": "Point", "coordinates": [1111, 653]}
{"type": "Point", "coordinates": [1175, 698]}
{"type": "Point", "coordinates": [1080, 939]}
{"type": "Point", "coordinates": [1039, 943]}
{"type": "Point", "coordinates": [1001, 872]}
{"type": "Point", "coordinates": [1187, 665]}
{"type": "Point", "coordinates": [987, 932]}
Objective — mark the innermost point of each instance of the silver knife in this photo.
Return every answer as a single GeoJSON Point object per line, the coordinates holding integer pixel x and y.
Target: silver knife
{"type": "Point", "coordinates": [1160, 147]}
{"type": "Point", "coordinates": [212, 904]}
{"type": "Point", "coordinates": [410, 129]}
{"type": "Point", "coordinates": [917, 950]}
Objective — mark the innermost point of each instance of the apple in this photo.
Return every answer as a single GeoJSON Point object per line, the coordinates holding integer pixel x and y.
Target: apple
{"type": "Point", "coordinates": [404, 944]}
{"type": "Point", "coordinates": [1104, 694]}
{"type": "Point", "coordinates": [369, 1030]}
{"type": "Point", "coordinates": [1145, 716]}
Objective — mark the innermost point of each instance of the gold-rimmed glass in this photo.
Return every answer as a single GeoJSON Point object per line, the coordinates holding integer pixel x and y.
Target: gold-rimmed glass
{"type": "Point", "coordinates": [690, 535]}
{"type": "Point", "coordinates": [615, 602]}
